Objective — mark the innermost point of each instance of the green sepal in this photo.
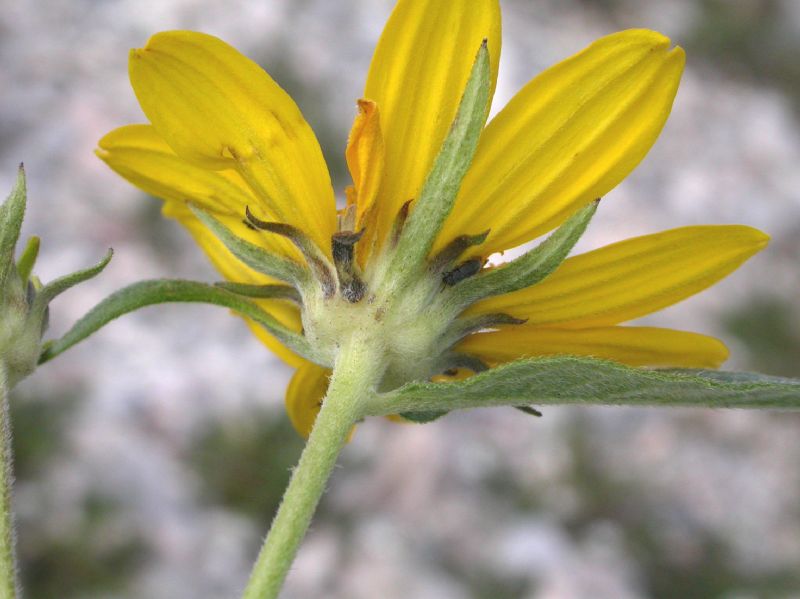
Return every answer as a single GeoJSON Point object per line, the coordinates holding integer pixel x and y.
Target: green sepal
{"type": "Point", "coordinates": [55, 288]}
{"type": "Point", "coordinates": [453, 251]}
{"type": "Point", "coordinates": [12, 212]}
{"type": "Point", "coordinates": [351, 285]}
{"type": "Point", "coordinates": [27, 260]}
{"type": "Point", "coordinates": [19, 341]}
{"type": "Point", "coordinates": [147, 293]}
{"type": "Point", "coordinates": [282, 292]}
{"type": "Point", "coordinates": [255, 257]}
{"type": "Point", "coordinates": [530, 268]}
{"type": "Point", "coordinates": [444, 180]}
{"type": "Point", "coordinates": [588, 381]}
{"type": "Point", "coordinates": [315, 258]}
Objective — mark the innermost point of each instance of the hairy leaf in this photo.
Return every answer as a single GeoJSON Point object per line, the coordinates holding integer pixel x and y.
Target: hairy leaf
{"type": "Point", "coordinates": [572, 380]}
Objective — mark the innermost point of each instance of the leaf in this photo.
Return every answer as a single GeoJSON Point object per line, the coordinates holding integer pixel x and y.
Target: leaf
{"type": "Point", "coordinates": [147, 293]}
{"type": "Point", "coordinates": [571, 380]}
{"type": "Point", "coordinates": [441, 187]}
{"type": "Point", "coordinates": [531, 267]}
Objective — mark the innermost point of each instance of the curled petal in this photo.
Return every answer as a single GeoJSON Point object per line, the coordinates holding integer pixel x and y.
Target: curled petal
{"type": "Point", "coordinates": [366, 158]}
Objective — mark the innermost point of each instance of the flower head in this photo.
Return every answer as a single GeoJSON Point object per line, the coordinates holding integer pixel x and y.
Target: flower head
{"type": "Point", "coordinates": [434, 194]}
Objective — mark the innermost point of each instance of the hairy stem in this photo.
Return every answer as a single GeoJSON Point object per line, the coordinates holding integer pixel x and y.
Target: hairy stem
{"type": "Point", "coordinates": [356, 372]}
{"type": "Point", "coordinates": [8, 568]}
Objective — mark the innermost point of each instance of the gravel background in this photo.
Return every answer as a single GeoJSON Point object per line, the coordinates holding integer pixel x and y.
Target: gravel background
{"type": "Point", "coordinates": [152, 456]}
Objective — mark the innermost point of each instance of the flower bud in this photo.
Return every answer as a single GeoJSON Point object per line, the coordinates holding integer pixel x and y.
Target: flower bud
{"type": "Point", "coordinates": [23, 300]}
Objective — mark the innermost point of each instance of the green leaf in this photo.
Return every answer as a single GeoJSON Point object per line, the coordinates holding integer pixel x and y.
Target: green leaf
{"type": "Point", "coordinates": [147, 293]}
{"type": "Point", "coordinates": [528, 269]}
{"type": "Point", "coordinates": [571, 380]}
{"type": "Point", "coordinates": [255, 257]}
{"type": "Point", "coordinates": [442, 184]}
{"type": "Point", "coordinates": [11, 214]}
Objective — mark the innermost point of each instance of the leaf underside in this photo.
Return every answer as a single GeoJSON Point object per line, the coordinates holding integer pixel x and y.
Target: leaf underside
{"type": "Point", "coordinates": [575, 380]}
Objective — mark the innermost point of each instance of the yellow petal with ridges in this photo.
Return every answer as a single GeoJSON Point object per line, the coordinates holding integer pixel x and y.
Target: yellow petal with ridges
{"type": "Point", "coordinates": [634, 346]}
{"type": "Point", "coordinates": [233, 270]}
{"type": "Point", "coordinates": [568, 137]}
{"type": "Point", "coordinates": [631, 278]}
{"type": "Point", "coordinates": [305, 394]}
{"type": "Point", "coordinates": [140, 155]}
{"type": "Point", "coordinates": [220, 110]}
{"type": "Point", "coordinates": [417, 77]}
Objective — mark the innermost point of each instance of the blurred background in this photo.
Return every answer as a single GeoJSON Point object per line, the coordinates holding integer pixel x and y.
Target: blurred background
{"type": "Point", "coordinates": [151, 458]}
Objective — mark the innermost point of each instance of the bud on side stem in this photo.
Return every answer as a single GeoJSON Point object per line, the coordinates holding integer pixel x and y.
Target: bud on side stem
{"type": "Point", "coordinates": [24, 301]}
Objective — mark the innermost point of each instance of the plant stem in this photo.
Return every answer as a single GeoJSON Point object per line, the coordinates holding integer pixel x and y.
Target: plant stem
{"type": "Point", "coordinates": [8, 567]}
{"type": "Point", "coordinates": [356, 372]}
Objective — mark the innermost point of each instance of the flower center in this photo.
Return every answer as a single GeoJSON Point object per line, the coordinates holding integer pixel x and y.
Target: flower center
{"type": "Point", "coordinates": [414, 324]}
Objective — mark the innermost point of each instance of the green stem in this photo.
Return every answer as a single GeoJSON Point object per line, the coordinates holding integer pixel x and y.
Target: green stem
{"type": "Point", "coordinates": [355, 375]}
{"type": "Point", "coordinates": [8, 568]}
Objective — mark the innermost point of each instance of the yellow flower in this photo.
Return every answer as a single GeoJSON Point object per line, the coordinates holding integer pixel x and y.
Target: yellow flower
{"type": "Point", "coordinates": [225, 137]}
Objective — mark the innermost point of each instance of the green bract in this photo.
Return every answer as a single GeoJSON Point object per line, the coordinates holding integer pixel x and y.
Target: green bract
{"type": "Point", "coordinates": [24, 300]}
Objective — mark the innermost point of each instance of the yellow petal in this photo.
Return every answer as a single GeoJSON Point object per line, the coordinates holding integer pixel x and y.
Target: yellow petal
{"type": "Point", "coordinates": [233, 270]}
{"type": "Point", "coordinates": [366, 159]}
{"type": "Point", "coordinates": [631, 278]}
{"type": "Point", "coordinates": [220, 110]}
{"type": "Point", "coordinates": [305, 394]}
{"type": "Point", "coordinates": [140, 155]}
{"type": "Point", "coordinates": [568, 137]}
{"type": "Point", "coordinates": [417, 77]}
{"type": "Point", "coordinates": [634, 346]}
